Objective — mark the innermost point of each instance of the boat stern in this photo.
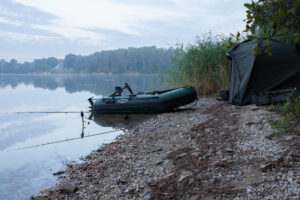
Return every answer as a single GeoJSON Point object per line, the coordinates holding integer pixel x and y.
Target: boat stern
{"type": "Point", "coordinates": [91, 102]}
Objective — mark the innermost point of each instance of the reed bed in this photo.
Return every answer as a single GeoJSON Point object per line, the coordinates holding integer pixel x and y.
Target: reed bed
{"type": "Point", "coordinates": [203, 65]}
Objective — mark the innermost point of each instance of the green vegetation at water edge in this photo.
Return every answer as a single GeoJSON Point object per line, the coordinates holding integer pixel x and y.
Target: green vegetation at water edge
{"type": "Point", "coordinates": [203, 65]}
{"type": "Point", "coordinates": [290, 111]}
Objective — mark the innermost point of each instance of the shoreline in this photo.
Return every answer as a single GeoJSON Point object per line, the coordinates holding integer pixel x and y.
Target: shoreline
{"type": "Point", "coordinates": [215, 150]}
{"type": "Point", "coordinates": [81, 73]}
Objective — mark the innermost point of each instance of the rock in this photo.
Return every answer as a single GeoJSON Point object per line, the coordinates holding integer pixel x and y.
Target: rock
{"type": "Point", "coordinates": [185, 174]}
{"type": "Point", "coordinates": [249, 189]}
{"type": "Point", "coordinates": [229, 150]}
{"type": "Point", "coordinates": [147, 197]}
{"type": "Point", "coordinates": [181, 155]}
{"type": "Point", "coordinates": [156, 150]}
{"type": "Point", "coordinates": [66, 188]}
{"type": "Point", "coordinates": [129, 190]}
{"type": "Point", "coordinates": [195, 197]}
{"type": "Point", "coordinates": [59, 173]}
{"type": "Point", "coordinates": [121, 181]}
{"type": "Point", "coordinates": [159, 163]}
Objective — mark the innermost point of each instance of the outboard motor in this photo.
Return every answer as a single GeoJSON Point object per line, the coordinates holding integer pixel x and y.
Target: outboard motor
{"type": "Point", "coordinates": [118, 91]}
{"type": "Point", "coordinates": [128, 88]}
{"type": "Point", "coordinates": [91, 102]}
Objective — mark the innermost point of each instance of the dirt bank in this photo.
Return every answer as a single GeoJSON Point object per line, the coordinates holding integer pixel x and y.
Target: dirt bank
{"type": "Point", "coordinates": [214, 151]}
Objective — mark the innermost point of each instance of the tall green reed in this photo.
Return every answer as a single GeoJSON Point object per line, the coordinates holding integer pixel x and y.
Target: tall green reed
{"type": "Point", "coordinates": [203, 65]}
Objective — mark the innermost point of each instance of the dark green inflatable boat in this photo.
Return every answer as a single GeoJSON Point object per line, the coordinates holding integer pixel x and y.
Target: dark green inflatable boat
{"type": "Point", "coordinates": [156, 101]}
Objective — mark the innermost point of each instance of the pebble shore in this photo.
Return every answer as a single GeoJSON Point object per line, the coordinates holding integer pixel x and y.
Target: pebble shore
{"type": "Point", "coordinates": [213, 151]}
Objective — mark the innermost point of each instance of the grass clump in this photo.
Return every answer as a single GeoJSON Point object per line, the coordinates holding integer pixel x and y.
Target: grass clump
{"type": "Point", "coordinates": [290, 111]}
{"type": "Point", "coordinates": [203, 65]}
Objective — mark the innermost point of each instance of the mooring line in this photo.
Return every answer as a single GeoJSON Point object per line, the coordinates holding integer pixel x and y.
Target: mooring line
{"type": "Point", "coordinates": [66, 140]}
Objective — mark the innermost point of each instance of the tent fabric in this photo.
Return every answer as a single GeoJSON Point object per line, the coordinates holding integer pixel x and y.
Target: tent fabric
{"type": "Point", "coordinates": [252, 74]}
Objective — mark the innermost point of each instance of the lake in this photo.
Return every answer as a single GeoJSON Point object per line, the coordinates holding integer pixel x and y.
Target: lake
{"type": "Point", "coordinates": [41, 126]}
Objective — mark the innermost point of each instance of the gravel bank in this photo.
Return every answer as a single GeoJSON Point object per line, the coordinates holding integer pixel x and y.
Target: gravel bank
{"type": "Point", "coordinates": [213, 151]}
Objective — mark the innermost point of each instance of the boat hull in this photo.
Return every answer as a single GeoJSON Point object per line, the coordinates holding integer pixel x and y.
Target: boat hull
{"type": "Point", "coordinates": [146, 103]}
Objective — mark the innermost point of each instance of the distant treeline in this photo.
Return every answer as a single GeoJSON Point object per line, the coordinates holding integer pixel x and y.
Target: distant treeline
{"type": "Point", "coordinates": [131, 60]}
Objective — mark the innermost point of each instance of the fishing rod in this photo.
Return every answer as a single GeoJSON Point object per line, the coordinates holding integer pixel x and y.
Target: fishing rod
{"type": "Point", "coordinates": [66, 140]}
{"type": "Point", "coordinates": [47, 112]}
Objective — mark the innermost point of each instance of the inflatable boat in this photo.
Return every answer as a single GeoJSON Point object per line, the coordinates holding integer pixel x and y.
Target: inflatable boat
{"type": "Point", "coordinates": [151, 102]}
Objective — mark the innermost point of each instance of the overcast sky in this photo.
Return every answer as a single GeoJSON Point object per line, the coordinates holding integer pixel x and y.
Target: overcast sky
{"type": "Point", "coordinates": [44, 28]}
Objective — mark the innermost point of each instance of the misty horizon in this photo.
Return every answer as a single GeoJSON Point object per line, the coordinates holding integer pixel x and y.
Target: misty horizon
{"type": "Point", "coordinates": [41, 29]}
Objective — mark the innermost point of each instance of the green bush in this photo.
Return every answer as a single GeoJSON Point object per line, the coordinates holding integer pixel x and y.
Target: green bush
{"type": "Point", "coordinates": [290, 110]}
{"type": "Point", "coordinates": [292, 106]}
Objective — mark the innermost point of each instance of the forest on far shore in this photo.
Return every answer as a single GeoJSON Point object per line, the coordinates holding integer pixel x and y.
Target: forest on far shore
{"type": "Point", "coordinates": [131, 60]}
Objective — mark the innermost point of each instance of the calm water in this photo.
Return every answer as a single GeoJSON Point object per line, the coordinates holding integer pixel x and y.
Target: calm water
{"type": "Point", "coordinates": [35, 145]}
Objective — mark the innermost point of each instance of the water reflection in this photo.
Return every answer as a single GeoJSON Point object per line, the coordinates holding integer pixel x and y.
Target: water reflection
{"type": "Point", "coordinates": [121, 121]}
{"type": "Point", "coordinates": [95, 83]}
{"type": "Point", "coordinates": [14, 129]}
{"type": "Point", "coordinates": [41, 125]}
{"type": "Point", "coordinates": [83, 127]}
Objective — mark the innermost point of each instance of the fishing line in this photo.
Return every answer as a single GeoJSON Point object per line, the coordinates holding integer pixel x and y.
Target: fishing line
{"type": "Point", "coordinates": [66, 140]}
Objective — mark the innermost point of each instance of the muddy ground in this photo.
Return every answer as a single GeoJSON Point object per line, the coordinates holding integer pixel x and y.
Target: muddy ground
{"type": "Point", "coordinates": [212, 151]}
